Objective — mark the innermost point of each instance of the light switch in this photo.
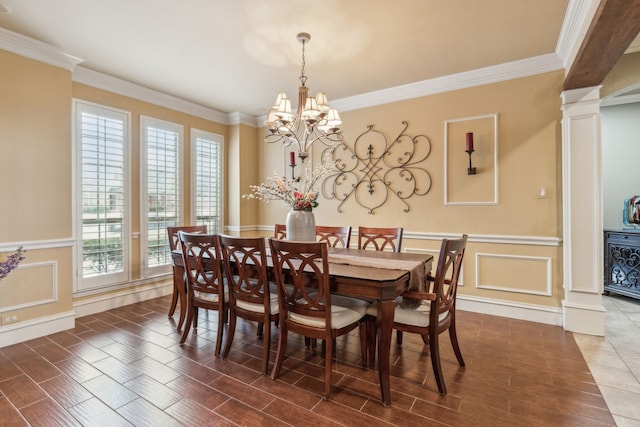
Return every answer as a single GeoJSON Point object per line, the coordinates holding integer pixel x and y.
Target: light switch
{"type": "Point", "coordinates": [543, 192]}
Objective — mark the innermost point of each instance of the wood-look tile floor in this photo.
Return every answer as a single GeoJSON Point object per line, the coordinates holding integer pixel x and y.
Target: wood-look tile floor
{"type": "Point", "coordinates": [614, 360]}
{"type": "Point", "coordinates": [126, 367]}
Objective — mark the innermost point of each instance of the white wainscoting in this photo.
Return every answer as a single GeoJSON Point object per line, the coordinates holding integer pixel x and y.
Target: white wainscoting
{"type": "Point", "coordinates": [514, 259]}
{"type": "Point", "coordinates": [101, 303]}
{"type": "Point", "coordinates": [52, 285]}
{"type": "Point", "coordinates": [35, 328]}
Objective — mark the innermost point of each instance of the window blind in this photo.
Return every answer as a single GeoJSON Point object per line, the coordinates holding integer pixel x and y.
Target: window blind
{"type": "Point", "coordinates": [102, 194]}
{"type": "Point", "coordinates": [208, 180]}
{"type": "Point", "coordinates": [162, 191]}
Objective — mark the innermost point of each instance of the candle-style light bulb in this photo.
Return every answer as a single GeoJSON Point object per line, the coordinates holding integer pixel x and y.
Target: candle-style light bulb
{"type": "Point", "coordinates": [469, 141]}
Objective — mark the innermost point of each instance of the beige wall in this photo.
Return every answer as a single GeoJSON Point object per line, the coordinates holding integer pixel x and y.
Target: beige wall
{"type": "Point", "coordinates": [529, 144]}
{"type": "Point", "coordinates": [244, 163]}
{"type": "Point", "coordinates": [36, 165]}
{"type": "Point", "coordinates": [514, 253]}
{"type": "Point", "coordinates": [35, 177]}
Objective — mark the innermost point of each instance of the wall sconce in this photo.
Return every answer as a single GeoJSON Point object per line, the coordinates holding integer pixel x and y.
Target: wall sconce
{"type": "Point", "coordinates": [469, 149]}
{"type": "Point", "coordinates": [292, 164]}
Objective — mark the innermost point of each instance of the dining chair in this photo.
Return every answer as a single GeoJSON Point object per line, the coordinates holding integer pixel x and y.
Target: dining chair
{"type": "Point", "coordinates": [337, 237]}
{"type": "Point", "coordinates": [205, 284]}
{"type": "Point", "coordinates": [250, 298]}
{"type": "Point", "coordinates": [305, 301]}
{"type": "Point", "coordinates": [380, 239]}
{"type": "Point", "coordinates": [174, 243]}
{"type": "Point", "coordinates": [437, 310]}
{"type": "Point", "coordinates": [280, 231]}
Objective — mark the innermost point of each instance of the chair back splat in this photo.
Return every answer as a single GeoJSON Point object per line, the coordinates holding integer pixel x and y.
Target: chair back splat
{"type": "Point", "coordinates": [174, 239]}
{"type": "Point", "coordinates": [205, 284]}
{"type": "Point", "coordinates": [280, 231]}
{"type": "Point", "coordinates": [436, 312]}
{"type": "Point", "coordinates": [305, 301]}
{"type": "Point", "coordinates": [178, 279]}
{"type": "Point", "coordinates": [250, 292]}
{"type": "Point", "coordinates": [337, 237]}
{"type": "Point", "coordinates": [380, 239]}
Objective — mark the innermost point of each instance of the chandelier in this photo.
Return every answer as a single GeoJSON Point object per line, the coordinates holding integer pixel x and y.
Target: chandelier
{"type": "Point", "coordinates": [313, 121]}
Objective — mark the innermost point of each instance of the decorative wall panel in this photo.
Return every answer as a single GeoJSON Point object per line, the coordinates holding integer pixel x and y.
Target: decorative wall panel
{"type": "Point", "coordinates": [372, 171]}
{"type": "Point", "coordinates": [459, 187]}
{"type": "Point", "coordinates": [31, 284]}
{"type": "Point", "coordinates": [514, 273]}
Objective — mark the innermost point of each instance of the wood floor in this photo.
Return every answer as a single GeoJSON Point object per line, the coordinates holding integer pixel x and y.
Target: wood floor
{"type": "Point", "coordinates": [125, 367]}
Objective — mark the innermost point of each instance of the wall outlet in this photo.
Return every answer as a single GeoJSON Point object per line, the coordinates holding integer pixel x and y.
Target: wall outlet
{"type": "Point", "coordinates": [9, 319]}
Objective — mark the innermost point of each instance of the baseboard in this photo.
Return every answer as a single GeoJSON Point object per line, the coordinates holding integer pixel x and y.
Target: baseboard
{"type": "Point", "coordinates": [100, 303]}
{"type": "Point", "coordinates": [584, 319]}
{"type": "Point", "coordinates": [510, 309]}
{"type": "Point", "coordinates": [35, 328]}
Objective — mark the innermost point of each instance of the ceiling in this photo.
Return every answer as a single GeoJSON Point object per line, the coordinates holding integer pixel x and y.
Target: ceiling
{"type": "Point", "coordinates": [235, 55]}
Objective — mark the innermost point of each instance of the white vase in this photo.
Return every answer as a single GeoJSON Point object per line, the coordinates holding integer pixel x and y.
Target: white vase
{"type": "Point", "coordinates": [301, 226]}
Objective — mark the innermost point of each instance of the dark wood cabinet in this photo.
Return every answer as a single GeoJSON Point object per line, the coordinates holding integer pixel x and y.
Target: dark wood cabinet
{"type": "Point", "coordinates": [622, 262]}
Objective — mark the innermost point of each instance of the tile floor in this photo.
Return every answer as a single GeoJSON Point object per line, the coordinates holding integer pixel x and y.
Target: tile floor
{"type": "Point", "coordinates": [614, 361]}
{"type": "Point", "coordinates": [125, 367]}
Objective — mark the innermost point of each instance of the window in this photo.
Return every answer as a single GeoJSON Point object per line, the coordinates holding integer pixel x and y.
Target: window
{"type": "Point", "coordinates": [206, 180]}
{"type": "Point", "coordinates": [101, 141]}
{"type": "Point", "coordinates": [161, 191]}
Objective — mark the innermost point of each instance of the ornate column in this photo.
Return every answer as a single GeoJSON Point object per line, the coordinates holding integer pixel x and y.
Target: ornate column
{"type": "Point", "coordinates": [582, 211]}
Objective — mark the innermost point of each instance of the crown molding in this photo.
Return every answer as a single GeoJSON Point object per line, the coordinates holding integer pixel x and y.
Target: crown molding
{"type": "Point", "coordinates": [244, 119]}
{"type": "Point", "coordinates": [36, 50]}
{"type": "Point", "coordinates": [620, 100]}
{"type": "Point", "coordinates": [627, 95]}
{"type": "Point", "coordinates": [575, 24]}
{"type": "Point", "coordinates": [122, 87]}
{"type": "Point", "coordinates": [43, 52]}
{"type": "Point", "coordinates": [482, 76]}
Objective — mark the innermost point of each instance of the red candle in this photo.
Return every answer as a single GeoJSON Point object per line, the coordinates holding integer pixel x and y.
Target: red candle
{"type": "Point", "coordinates": [469, 141]}
{"type": "Point", "coordinates": [292, 157]}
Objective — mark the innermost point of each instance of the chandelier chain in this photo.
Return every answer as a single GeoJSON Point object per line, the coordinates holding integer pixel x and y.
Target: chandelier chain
{"type": "Point", "coordinates": [303, 78]}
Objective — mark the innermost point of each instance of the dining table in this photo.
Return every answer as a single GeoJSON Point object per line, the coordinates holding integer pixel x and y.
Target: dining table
{"type": "Point", "coordinates": [378, 276]}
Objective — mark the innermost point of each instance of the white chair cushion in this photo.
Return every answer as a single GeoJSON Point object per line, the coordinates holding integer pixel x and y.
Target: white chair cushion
{"type": "Point", "coordinates": [209, 297]}
{"type": "Point", "coordinates": [206, 296]}
{"type": "Point", "coordinates": [259, 308]}
{"type": "Point", "coordinates": [344, 311]}
{"type": "Point", "coordinates": [418, 316]}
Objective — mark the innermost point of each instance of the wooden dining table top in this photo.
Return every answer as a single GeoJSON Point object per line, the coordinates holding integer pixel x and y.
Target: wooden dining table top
{"type": "Point", "coordinates": [381, 282]}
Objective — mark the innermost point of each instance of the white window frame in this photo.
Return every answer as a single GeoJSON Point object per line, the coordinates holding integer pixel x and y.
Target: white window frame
{"type": "Point", "coordinates": [219, 140]}
{"type": "Point", "coordinates": [145, 123]}
{"type": "Point", "coordinates": [89, 284]}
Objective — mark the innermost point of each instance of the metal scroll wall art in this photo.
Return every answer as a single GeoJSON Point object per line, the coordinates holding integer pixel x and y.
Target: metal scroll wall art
{"type": "Point", "coordinates": [373, 171]}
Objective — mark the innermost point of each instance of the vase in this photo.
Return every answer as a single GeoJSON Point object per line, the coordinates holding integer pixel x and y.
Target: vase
{"type": "Point", "coordinates": [301, 225]}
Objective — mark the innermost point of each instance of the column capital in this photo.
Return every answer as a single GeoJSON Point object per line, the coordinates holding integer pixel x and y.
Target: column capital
{"type": "Point", "coordinates": [584, 94]}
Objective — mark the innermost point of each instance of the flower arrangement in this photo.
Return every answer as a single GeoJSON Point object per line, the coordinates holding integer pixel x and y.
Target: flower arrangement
{"type": "Point", "coordinates": [11, 262]}
{"type": "Point", "coordinates": [298, 194]}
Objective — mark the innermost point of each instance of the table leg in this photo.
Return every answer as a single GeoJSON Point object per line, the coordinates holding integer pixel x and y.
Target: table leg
{"type": "Point", "coordinates": [385, 328]}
